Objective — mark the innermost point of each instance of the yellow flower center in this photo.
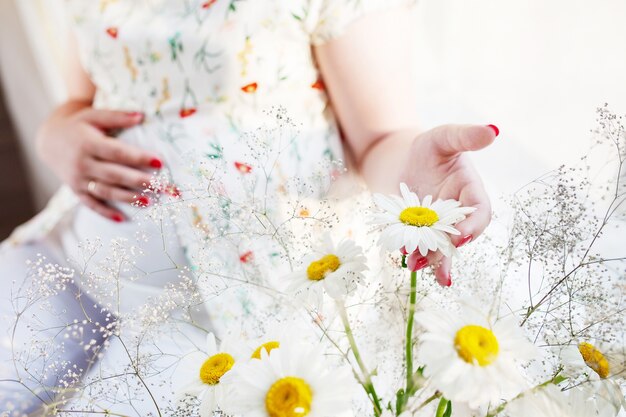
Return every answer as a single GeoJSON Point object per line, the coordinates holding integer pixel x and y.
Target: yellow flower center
{"type": "Point", "coordinates": [476, 345]}
{"type": "Point", "coordinates": [269, 346]}
{"type": "Point", "coordinates": [215, 367]}
{"type": "Point", "coordinates": [418, 216]}
{"type": "Point", "coordinates": [317, 270]}
{"type": "Point", "coordinates": [289, 397]}
{"type": "Point", "coordinates": [594, 359]}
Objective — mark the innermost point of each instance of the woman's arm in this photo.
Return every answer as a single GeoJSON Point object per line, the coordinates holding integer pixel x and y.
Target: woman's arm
{"type": "Point", "coordinates": [73, 142]}
{"type": "Point", "coordinates": [369, 76]}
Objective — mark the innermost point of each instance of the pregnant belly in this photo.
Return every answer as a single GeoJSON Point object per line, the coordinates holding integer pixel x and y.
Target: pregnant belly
{"type": "Point", "coordinates": [122, 265]}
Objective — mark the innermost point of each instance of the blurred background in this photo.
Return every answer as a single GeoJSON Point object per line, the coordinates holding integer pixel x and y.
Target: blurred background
{"type": "Point", "coordinates": [537, 69]}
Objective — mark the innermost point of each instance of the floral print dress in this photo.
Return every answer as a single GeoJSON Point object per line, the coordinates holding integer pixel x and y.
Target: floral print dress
{"type": "Point", "coordinates": [233, 102]}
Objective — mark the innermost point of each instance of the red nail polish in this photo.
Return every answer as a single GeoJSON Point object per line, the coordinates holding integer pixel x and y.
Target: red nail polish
{"type": "Point", "coordinates": [143, 201]}
{"type": "Point", "coordinates": [419, 264]}
{"type": "Point", "coordinates": [495, 129]}
{"type": "Point", "coordinates": [156, 163]}
{"type": "Point", "coordinates": [118, 218]}
{"type": "Point", "coordinates": [467, 239]}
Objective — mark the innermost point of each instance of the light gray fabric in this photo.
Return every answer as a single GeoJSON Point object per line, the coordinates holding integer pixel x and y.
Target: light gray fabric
{"type": "Point", "coordinates": [37, 338]}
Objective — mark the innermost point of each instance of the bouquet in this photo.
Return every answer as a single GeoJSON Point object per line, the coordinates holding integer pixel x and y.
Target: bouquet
{"type": "Point", "coordinates": [349, 319]}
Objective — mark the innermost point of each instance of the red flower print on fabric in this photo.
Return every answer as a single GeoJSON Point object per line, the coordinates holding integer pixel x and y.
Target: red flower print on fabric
{"type": "Point", "coordinates": [186, 112]}
{"type": "Point", "coordinates": [246, 257]}
{"type": "Point", "coordinates": [318, 85]}
{"type": "Point", "coordinates": [112, 32]}
{"type": "Point", "coordinates": [243, 168]}
{"type": "Point", "coordinates": [250, 88]}
{"type": "Point", "coordinates": [208, 4]}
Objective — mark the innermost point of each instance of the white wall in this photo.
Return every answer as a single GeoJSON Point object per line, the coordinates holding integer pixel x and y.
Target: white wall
{"type": "Point", "coordinates": [536, 68]}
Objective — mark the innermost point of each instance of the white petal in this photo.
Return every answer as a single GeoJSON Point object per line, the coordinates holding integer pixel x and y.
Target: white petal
{"type": "Point", "coordinates": [409, 198]}
{"type": "Point", "coordinates": [387, 204]}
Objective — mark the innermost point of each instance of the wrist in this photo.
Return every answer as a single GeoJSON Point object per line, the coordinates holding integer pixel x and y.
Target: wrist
{"type": "Point", "coordinates": [70, 107]}
{"type": "Point", "coordinates": [383, 163]}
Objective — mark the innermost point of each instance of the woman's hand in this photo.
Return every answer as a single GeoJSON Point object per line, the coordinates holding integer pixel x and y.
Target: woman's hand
{"type": "Point", "coordinates": [100, 169]}
{"type": "Point", "coordinates": [437, 165]}
{"type": "Point", "coordinates": [369, 73]}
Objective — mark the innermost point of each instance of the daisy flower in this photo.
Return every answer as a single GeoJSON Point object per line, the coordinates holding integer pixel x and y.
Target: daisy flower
{"type": "Point", "coordinates": [596, 359]}
{"type": "Point", "coordinates": [601, 363]}
{"type": "Point", "coordinates": [292, 381]}
{"type": "Point", "coordinates": [550, 401]}
{"type": "Point", "coordinates": [471, 358]}
{"type": "Point", "coordinates": [206, 370]}
{"type": "Point", "coordinates": [276, 334]}
{"type": "Point", "coordinates": [419, 225]}
{"type": "Point", "coordinates": [335, 269]}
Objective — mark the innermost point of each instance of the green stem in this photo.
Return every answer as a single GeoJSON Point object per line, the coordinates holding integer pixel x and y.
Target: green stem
{"type": "Point", "coordinates": [409, 335]}
{"type": "Point", "coordinates": [428, 401]}
{"type": "Point", "coordinates": [556, 379]}
{"type": "Point", "coordinates": [368, 385]}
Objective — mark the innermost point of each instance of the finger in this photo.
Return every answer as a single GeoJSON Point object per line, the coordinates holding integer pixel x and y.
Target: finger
{"type": "Point", "coordinates": [119, 175]}
{"type": "Point", "coordinates": [451, 140]}
{"type": "Point", "coordinates": [434, 258]}
{"type": "Point", "coordinates": [107, 192]}
{"type": "Point", "coordinates": [101, 208]}
{"type": "Point", "coordinates": [442, 272]}
{"type": "Point", "coordinates": [475, 223]}
{"type": "Point", "coordinates": [125, 154]}
{"type": "Point", "coordinates": [415, 261]}
{"type": "Point", "coordinates": [110, 119]}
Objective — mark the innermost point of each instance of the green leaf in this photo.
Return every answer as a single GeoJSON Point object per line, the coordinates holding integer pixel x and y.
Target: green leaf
{"type": "Point", "coordinates": [444, 409]}
{"type": "Point", "coordinates": [418, 379]}
{"type": "Point", "coordinates": [400, 401]}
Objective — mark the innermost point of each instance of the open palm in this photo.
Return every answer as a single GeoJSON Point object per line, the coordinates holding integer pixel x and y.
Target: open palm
{"type": "Point", "coordinates": [440, 167]}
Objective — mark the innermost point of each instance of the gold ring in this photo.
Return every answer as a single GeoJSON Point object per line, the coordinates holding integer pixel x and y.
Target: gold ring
{"type": "Point", "coordinates": [91, 187]}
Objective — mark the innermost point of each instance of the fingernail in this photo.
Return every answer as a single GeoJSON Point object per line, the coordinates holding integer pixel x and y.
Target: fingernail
{"type": "Point", "coordinates": [143, 201]}
{"type": "Point", "coordinates": [156, 163]}
{"type": "Point", "coordinates": [418, 264]}
{"type": "Point", "coordinates": [495, 129]}
{"type": "Point", "coordinates": [445, 281]}
{"type": "Point", "coordinates": [467, 239]}
{"type": "Point", "coordinates": [118, 218]}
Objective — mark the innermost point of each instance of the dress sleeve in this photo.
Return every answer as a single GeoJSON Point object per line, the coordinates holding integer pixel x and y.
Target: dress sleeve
{"type": "Point", "coordinates": [332, 17]}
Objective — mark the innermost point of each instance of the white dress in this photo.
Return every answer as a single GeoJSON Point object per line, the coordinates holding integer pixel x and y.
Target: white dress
{"type": "Point", "coordinates": [235, 107]}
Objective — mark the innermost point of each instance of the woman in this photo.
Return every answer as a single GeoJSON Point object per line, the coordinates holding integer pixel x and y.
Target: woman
{"type": "Point", "coordinates": [172, 87]}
